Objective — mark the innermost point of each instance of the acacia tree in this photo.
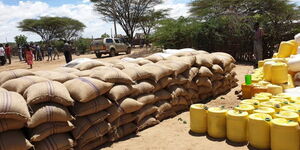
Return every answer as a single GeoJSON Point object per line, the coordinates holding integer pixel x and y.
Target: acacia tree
{"type": "Point", "coordinates": [49, 28]}
{"type": "Point", "coordinates": [150, 18]}
{"type": "Point", "coordinates": [21, 40]}
{"type": "Point", "coordinates": [127, 13]}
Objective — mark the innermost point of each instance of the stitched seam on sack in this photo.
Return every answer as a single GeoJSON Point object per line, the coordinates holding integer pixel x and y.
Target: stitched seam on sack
{"type": "Point", "coordinates": [90, 83]}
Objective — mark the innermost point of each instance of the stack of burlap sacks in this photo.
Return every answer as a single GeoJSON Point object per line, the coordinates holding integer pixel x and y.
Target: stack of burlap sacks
{"type": "Point", "coordinates": [117, 98]}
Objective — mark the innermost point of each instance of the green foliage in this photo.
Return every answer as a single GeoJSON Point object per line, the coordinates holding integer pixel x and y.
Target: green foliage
{"type": "Point", "coordinates": [82, 44]}
{"type": "Point", "coordinates": [105, 35]}
{"type": "Point", "coordinates": [21, 40]}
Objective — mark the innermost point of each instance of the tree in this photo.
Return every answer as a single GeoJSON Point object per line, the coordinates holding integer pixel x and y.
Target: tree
{"type": "Point", "coordinates": [126, 12]}
{"type": "Point", "coordinates": [49, 28]}
{"type": "Point", "coordinates": [21, 40]}
{"type": "Point", "coordinates": [105, 35]}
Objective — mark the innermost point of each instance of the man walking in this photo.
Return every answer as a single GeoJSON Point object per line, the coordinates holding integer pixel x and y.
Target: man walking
{"type": "Point", "coordinates": [67, 52]}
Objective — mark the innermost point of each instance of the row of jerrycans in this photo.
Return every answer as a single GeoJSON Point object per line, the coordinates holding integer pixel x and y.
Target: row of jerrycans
{"type": "Point", "coordinates": [259, 129]}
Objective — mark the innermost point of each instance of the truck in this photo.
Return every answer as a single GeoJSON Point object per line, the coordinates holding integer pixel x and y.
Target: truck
{"type": "Point", "coordinates": [111, 46]}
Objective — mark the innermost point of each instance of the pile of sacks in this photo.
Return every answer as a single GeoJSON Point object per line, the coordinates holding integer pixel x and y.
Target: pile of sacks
{"type": "Point", "coordinates": [96, 102]}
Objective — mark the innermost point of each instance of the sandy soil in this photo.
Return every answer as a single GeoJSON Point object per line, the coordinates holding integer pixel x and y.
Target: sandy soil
{"type": "Point", "coordinates": [171, 134]}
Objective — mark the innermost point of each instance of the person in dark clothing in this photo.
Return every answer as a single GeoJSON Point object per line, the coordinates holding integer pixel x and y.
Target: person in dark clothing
{"type": "Point", "coordinates": [67, 52]}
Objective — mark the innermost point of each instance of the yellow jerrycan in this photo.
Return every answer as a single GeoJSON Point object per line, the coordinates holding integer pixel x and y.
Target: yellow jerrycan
{"type": "Point", "coordinates": [198, 118]}
{"type": "Point", "coordinates": [291, 108]}
{"type": "Point", "coordinates": [236, 125]}
{"type": "Point", "coordinates": [267, 70]}
{"type": "Point", "coordinates": [266, 110]}
{"type": "Point", "coordinates": [282, 101]}
{"type": "Point", "coordinates": [259, 130]}
{"type": "Point", "coordinates": [279, 73]}
{"type": "Point", "coordinates": [249, 101]}
{"type": "Point", "coordinates": [216, 122]}
{"type": "Point", "coordinates": [261, 98]}
{"type": "Point", "coordinates": [284, 134]}
{"type": "Point", "coordinates": [245, 108]}
{"type": "Point", "coordinates": [295, 47]}
{"type": "Point", "coordinates": [283, 96]}
{"type": "Point", "coordinates": [267, 94]}
{"type": "Point", "coordinates": [274, 89]}
{"type": "Point", "coordinates": [271, 104]}
{"type": "Point", "coordinates": [261, 63]}
{"type": "Point", "coordinates": [285, 49]}
{"type": "Point", "coordinates": [289, 115]}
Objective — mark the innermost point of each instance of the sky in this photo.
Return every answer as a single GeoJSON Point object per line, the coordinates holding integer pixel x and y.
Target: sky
{"type": "Point", "coordinates": [12, 12]}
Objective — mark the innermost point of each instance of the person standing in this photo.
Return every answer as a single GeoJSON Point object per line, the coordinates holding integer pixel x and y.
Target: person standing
{"type": "Point", "coordinates": [258, 44]}
{"type": "Point", "coordinates": [8, 53]}
{"type": "Point", "coordinates": [67, 52]}
{"type": "Point", "coordinates": [2, 55]}
{"type": "Point", "coordinates": [56, 53]}
{"type": "Point", "coordinates": [38, 53]}
{"type": "Point", "coordinates": [49, 50]}
{"type": "Point", "coordinates": [20, 52]}
{"type": "Point", "coordinates": [28, 55]}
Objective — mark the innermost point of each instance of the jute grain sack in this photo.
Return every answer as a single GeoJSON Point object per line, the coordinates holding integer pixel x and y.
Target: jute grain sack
{"type": "Point", "coordinates": [179, 101]}
{"type": "Point", "coordinates": [225, 55]}
{"type": "Point", "coordinates": [19, 85]}
{"type": "Point", "coordinates": [98, 104]}
{"type": "Point", "coordinates": [12, 74]}
{"type": "Point", "coordinates": [154, 58]}
{"type": "Point", "coordinates": [229, 68]}
{"type": "Point", "coordinates": [176, 67]}
{"type": "Point", "coordinates": [144, 86]}
{"type": "Point", "coordinates": [225, 60]}
{"type": "Point", "coordinates": [148, 121]}
{"type": "Point", "coordinates": [3, 90]}
{"type": "Point", "coordinates": [205, 72]}
{"type": "Point", "coordinates": [49, 91]}
{"type": "Point", "coordinates": [191, 85]}
{"type": "Point", "coordinates": [119, 91]}
{"type": "Point", "coordinates": [47, 129]}
{"type": "Point", "coordinates": [130, 105]}
{"type": "Point", "coordinates": [89, 65]}
{"type": "Point", "coordinates": [217, 69]}
{"type": "Point", "coordinates": [115, 112]}
{"type": "Point", "coordinates": [94, 132]}
{"type": "Point", "coordinates": [111, 74]}
{"type": "Point", "coordinates": [56, 142]}
{"type": "Point", "coordinates": [190, 60]}
{"type": "Point", "coordinates": [122, 131]}
{"type": "Point", "coordinates": [217, 76]}
{"type": "Point", "coordinates": [204, 90]}
{"type": "Point", "coordinates": [85, 73]}
{"type": "Point", "coordinates": [13, 106]}
{"type": "Point", "coordinates": [177, 90]}
{"type": "Point", "coordinates": [136, 73]}
{"type": "Point", "coordinates": [163, 82]}
{"type": "Point", "coordinates": [123, 65]}
{"type": "Point", "coordinates": [124, 119]}
{"type": "Point", "coordinates": [203, 81]}
{"type": "Point", "coordinates": [204, 60]}
{"type": "Point", "coordinates": [49, 112]}
{"type": "Point", "coordinates": [163, 106]}
{"type": "Point", "coordinates": [89, 88]}
{"type": "Point", "coordinates": [66, 70]}
{"type": "Point", "coordinates": [157, 71]}
{"type": "Point", "coordinates": [14, 140]}
{"type": "Point", "coordinates": [10, 124]}
{"type": "Point", "coordinates": [145, 111]}
{"type": "Point", "coordinates": [143, 62]}
{"type": "Point", "coordinates": [165, 115]}
{"type": "Point", "coordinates": [193, 94]}
{"type": "Point", "coordinates": [191, 73]}
{"type": "Point", "coordinates": [147, 99]}
{"type": "Point", "coordinates": [56, 76]}
{"type": "Point", "coordinates": [162, 94]}
{"type": "Point", "coordinates": [82, 124]}
{"type": "Point", "coordinates": [93, 144]}
{"type": "Point", "coordinates": [180, 79]}
{"type": "Point", "coordinates": [217, 84]}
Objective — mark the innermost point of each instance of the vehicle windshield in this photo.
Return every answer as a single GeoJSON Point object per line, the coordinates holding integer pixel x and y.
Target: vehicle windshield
{"type": "Point", "coordinates": [109, 40]}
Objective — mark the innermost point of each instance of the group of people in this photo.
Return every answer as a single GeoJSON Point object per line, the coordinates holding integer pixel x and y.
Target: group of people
{"type": "Point", "coordinates": [5, 53]}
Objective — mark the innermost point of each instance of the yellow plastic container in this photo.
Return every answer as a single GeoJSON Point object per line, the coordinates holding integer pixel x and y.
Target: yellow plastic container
{"type": "Point", "coordinates": [261, 63]}
{"type": "Point", "coordinates": [236, 125]}
{"type": "Point", "coordinates": [282, 101]}
{"type": "Point", "coordinates": [249, 101]}
{"type": "Point", "coordinates": [275, 55]}
{"type": "Point", "coordinates": [198, 118]}
{"type": "Point", "coordinates": [216, 122]}
{"type": "Point", "coordinates": [245, 108]}
{"type": "Point", "coordinates": [266, 110]}
{"type": "Point", "coordinates": [279, 73]}
{"type": "Point", "coordinates": [259, 130]}
{"type": "Point", "coordinates": [267, 70]}
{"type": "Point", "coordinates": [261, 98]}
{"type": "Point", "coordinates": [283, 96]}
{"type": "Point", "coordinates": [259, 89]}
{"type": "Point", "coordinates": [289, 115]}
{"type": "Point", "coordinates": [295, 47]}
{"type": "Point", "coordinates": [291, 108]}
{"type": "Point", "coordinates": [274, 89]}
{"type": "Point", "coordinates": [285, 49]}
{"type": "Point", "coordinates": [270, 104]}
{"type": "Point", "coordinates": [284, 134]}
{"type": "Point", "coordinates": [267, 94]}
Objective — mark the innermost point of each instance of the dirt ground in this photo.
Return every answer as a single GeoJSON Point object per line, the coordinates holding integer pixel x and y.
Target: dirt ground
{"type": "Point", "coordinates": [171, 134]}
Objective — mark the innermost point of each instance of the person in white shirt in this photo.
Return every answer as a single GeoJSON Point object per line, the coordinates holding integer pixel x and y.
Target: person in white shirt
{"type": "Point", "coordinates": [2, 55]}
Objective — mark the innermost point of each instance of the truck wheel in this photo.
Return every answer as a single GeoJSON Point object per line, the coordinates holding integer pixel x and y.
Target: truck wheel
{"type": "Point", "coordinates": [112, 53]}
{"type": "Point", "coordinates": [98, 55]}
{"type": "Point", "coordinates": [128, 51]}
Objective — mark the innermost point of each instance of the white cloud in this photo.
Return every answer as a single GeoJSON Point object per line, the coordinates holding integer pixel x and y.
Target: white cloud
{"type": "Point", "coordinates": [10, 15]}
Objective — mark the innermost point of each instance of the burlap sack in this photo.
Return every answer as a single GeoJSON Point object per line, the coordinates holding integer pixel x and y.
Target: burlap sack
{"type": "Point", "coordinates": [119, 91]}
{"type": "Point", "coordinates": [12, 74]}
{"type": "Point", "coordinates": [89, 65]}
{"type": "Point", "coordinates": [14, 140]}
{"type": "Point", "coordinates": [10, 124]}
{"type": "Point", "coordinates": [193, 94]}
{"type": "Point", "coordinates": [163, 82]}
{"type": "Point", "coordinates": [229, 68]}
{"type": "Point", "coordinates": [148, 121]}
{"type": "Point", "coordinates": [3, 90]}
{"type": "Point", "coordinates": [147, 99]}
{"type": "Point", "coordinates": [177, 90]}
{"type": "Point", "coordinates": [204, 60]}
{"type": "Point", "coordinates": [124, 119]}
{"type": "Point", "coordinates": [49, 91]}
{"type": "Point", "coordinates": [136, 73]}
{"type": "Point", "coordinates": [179, 101]}
{"type": "Point", "coordinates": [217, 77]}
{"type": "Point", "coordinates": [180, 79]}
{"type": "Point", "coordinates": [111, 74]}
{"type": "Point", "coordinates": [145, 111]}
{"type": "Point", "coordinates": [115, 112]}
{"type": "Point", "coordinates": [122, 65]}
{"type": "Point", "coordinates": [154, 58]}
{"type": "Point", "coordinates": [82, 124]}
{"type": "Point", "coordinates": [56, 142]}
{"type": "Point", "coordinates": [93, 144]}
{"type": "Point", "coordinates": [226, 61]}
{"type": "Point", "coordinates": [157, 71]}
{"type": "Point", "coordinates": [94, 132]}
{"type": "Point", "coordinates": [66, 70]}
{"type": "Point", "coordinates": [142, 62]}
{"type": "Point", "coordinates": [130, 105]}
{"type": "Point", "coordinates": [143, 87]}
{"type": "Point", "coordinates": [49, 112]}
{"type": "Point", "coordinates": [175, 66]}
{"type": "Point", "coordinates": [85, 73]}
{"type": "Point", "coordinates": [56, 76]}
{"type": "Point", "coordinates": [205, 72]}
{"type": "Point", "coordinates": [163, 106]}
{"type": "Point", "coordinates": [162, 94]}
{"type": "Point", "coordinates": [191, 73]}
{"type": "Point", "coordinates": [224, 55]}
{"type": "Point", "coordinates": [217, 69]}
{"type": "Point", "coordinates": [47, 129]}
{"type": "Point", "coordinates": [19, 85]}
{"type": "Point", "coordinates": [89, 88]}
{"type": "Point", "coordinates": [204, 90]}
{"type": "Point", "coordinates": [217, 84]}
{"type": "Point", "coordinates": [13, 106]}
{"type": "Point", "coordinates": [165, 115]}
{"type": "Point", "coordinates": [122, 131]}
{"type": "Point", "coordinates": [98, 104]}
{"type": "Point", "coordinates": [203, 81]}
{"type": "Point", "coordinates": [191, 85]}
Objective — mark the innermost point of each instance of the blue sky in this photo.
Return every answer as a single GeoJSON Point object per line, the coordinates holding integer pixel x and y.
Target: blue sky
{"type": "Point", "coordinates": [50, 2]}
